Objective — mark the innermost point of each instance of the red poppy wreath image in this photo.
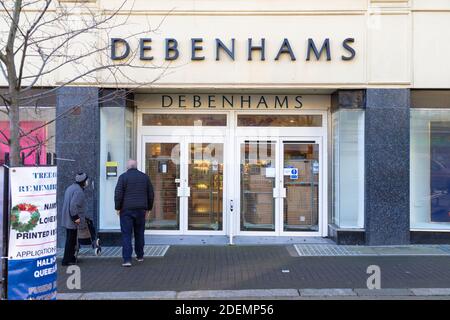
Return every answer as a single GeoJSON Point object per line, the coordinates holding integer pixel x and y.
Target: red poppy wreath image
{"type": "Point", "coordinates": [24, 217]}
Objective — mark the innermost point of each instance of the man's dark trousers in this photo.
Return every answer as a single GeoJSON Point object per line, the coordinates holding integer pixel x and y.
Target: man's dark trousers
{"type": "Point", "coordinates": [132, 221]}
{"type": "Point", "coordinates": [69, 249]}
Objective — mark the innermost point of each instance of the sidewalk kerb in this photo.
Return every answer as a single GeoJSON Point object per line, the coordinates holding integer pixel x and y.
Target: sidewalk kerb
{"type": "Point", "coordinates": [69, 296]}
{"type": "Point", "coordinates": [431, 291]}
{"type": "Point", "coordinates": [132, 295]}
{"type": "Point", "coordinates": [332, 292]}
{"type": "Point", "coordinates": [383, 292]}
{"type": "Point", "coordinates": [256, 293]}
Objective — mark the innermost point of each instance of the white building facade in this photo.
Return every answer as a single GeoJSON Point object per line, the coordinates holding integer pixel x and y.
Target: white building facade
{"type": "Point", "coordinates": [270, 121]}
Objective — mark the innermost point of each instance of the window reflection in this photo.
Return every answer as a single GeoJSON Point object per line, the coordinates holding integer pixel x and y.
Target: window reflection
{"type": "Point", "coordinates": [279, 120]}
{"type": "Point", "coordinates": [430, 169]}
{"type": "Point", "coordinates": [206, 120]}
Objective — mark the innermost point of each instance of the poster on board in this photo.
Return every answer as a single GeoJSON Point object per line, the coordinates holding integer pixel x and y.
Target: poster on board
{"type": "Point", "coordinates": [32, 237]}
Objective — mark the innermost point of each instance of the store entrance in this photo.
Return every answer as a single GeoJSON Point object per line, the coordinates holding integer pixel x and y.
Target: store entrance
{"type": "Point", "coordinates": [187, 174]}
{"type": "Point", "coordinates": [233, 178]}
{"type": "Point", "coordinates": [279, 185]}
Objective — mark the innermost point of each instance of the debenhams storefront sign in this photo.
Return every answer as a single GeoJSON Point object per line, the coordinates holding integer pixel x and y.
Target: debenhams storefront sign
{"type": "Point", "coordinates": [313, 49]}
{"type": "Point", "coordinates": [213, 185]}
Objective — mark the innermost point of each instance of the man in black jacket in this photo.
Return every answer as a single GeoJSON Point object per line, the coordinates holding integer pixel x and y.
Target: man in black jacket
{"type": "Point", "coordinates": [133, 198]}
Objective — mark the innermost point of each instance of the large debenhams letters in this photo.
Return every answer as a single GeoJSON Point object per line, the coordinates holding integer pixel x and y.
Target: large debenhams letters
{"type": "Point", "coordinates": [121, 49]}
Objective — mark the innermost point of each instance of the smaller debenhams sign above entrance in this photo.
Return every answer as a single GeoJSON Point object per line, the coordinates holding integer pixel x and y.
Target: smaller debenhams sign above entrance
{"type": "Point", "coordinates": [255, 49]}
{"type": "Point", "coordinates": [232, 101]}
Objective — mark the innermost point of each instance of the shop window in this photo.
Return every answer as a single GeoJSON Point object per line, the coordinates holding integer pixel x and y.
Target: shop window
{"type": "Point", "coordinates": [37, 126]}
{"type": "Point", "coordinates": [206, 120]}
{"type": "Point", "coordinates": [348, 168]}
{"type": "Point", "coordinates": [279, 120]}
{"type": "Point", "coordinates": [116, 147]}
{"type": "Point", "coordinates": [430, 169]}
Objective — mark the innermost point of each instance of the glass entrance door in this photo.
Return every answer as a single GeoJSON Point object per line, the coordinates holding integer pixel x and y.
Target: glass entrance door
{"type": "Point", "coordinates": [258, 180]}
{"type": "Point", "coordinates": [188, 180]}
{"type": "Point", "coordinates": [162, 165]}
{"type": "Point", "coordinates": [279, 183]}
{"type": "Point", "coordinates": [205, 178]}
{"type": "Point", "coordinates": [301, 170]}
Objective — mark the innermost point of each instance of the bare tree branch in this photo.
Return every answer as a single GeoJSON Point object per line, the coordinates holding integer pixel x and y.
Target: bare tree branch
{"type": "Point", "coordinates": [42, 40]}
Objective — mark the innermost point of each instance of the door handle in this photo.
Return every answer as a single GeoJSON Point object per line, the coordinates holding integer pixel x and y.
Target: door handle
{"type": "Point", "coordinates": [183, 192]}
{"type": "Point", "coordinates": [279, 192]}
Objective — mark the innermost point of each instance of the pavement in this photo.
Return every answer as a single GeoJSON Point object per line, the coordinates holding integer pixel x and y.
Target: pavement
{"type": "Point", "coordinates": [263, 272]}
{"type": "Point", "coordinates": [269, 294]}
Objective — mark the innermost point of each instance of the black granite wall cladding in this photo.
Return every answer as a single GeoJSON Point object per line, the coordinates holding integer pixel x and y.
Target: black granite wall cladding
{"type": "Point", "coordinates": [387, 124]}
{"type": "Point", "coordinates": [348, 99]}
{"type": "Point", "coordinates": [78, 141]}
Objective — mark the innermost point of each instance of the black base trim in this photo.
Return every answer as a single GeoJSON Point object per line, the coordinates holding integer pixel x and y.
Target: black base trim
{"type": "Point", "coordinates": [346, 236]}
{"type": "Point", "coordinates": [110, 238]}
{"type": "Point", "coordinates": [430, 237]}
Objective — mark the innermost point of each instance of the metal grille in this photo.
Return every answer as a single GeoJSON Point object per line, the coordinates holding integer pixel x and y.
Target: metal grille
{"type": "Point", "coordinates": [445, 248]}
{"type": "Point", "coordinates": [116, 252]}
{"type": "Point", "coordinates": [324, 250]}
{"type": "Point", "coordinates": [312, 250]}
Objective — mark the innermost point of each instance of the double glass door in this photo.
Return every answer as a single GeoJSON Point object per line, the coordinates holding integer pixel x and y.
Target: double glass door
{"type": "Point", "coordinates": [274, 185]}
{"type": "Point", "coordinates": [187, 174]}
{"type": "Point", "coordinates": [279, 185]}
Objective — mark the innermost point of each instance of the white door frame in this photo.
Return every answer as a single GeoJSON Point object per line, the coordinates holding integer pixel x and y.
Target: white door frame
{"type": "Point", "coordinates": [185, 135]}
{"type": "Point", "coordinates": [280, 134]}
{"type": "Point", "coordinates": [207, 139]}
{"type": "Point", "coordinates": [141, 165]}
{"type": "Point", "coordinates": [321, 212]}
{"type": "Point", "coordinates": [230, 136]}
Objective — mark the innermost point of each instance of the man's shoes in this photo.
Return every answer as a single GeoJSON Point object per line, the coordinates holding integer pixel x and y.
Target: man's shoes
{"type": "Point", "coordinates": [126, 264]}
{"type": "Point", "coordinates": [140, 259]}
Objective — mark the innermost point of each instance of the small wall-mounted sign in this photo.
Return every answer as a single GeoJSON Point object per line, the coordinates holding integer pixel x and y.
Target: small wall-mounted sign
{"type": "Point", "coordinates": [294, 174]}
{"type": "Point", "coordinates": [111, 169]}
{"type": "Point", "coordinates": [291, 172]}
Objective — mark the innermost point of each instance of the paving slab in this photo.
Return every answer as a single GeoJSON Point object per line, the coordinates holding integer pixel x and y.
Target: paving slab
{"type": "Point", "coordinates": [268, 293]}
{"type": "Point", "coordinates": [383, 292]}
{"type": "Point", "coordinates": [326, 292]}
